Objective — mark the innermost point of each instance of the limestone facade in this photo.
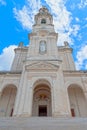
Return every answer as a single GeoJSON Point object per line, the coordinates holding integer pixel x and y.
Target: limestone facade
{"type": "Point", "coordinates": [43, 80]}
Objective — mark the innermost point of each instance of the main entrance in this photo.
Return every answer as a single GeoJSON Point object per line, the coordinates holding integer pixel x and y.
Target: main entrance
{"type": "Point", "coordinates": [42, 110]}
{"type": "Point", "coordinates": [42, 101]}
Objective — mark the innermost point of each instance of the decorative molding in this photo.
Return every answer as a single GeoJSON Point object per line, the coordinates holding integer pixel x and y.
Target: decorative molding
{"type": "Point", "coordinates": [10, 72]}
{"type": "Point", "coordinates": [42, 66]}
{"type": "Point", "coordinates": [42, 75]}
{"type": "Point", "coordinates": [75, 73]}
{"type": "Point", "coordinates": [43, 32]}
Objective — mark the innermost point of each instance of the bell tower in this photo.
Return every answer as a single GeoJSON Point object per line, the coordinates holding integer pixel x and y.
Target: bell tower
{"type": "Point", "coordinates": [43, 39]}
{"type": "Point", "coordinates": [43, 20]}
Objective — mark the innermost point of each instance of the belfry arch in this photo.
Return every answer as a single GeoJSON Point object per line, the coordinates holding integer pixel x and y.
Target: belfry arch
{"type": "Point", "coordinates": [7, 100]}
{"type": "Point", "coordinates": [78, 104]}
{"type": "Point", "coordinates": [42, 103]}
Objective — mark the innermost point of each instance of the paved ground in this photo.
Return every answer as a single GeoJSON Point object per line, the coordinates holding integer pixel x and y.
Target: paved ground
{"type": "Point", "coordinates": [45, 123]}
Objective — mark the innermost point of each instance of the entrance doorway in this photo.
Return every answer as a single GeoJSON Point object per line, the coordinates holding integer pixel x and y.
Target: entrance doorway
{"type": "Point", "coordinates": [42, 111]}
{"type": "Point", "coordinates": [72, 112]}
{"type": "Point", "coordinates": [42, 101]}
{"type": "Point", "coordinates": [77, 101]}
{"type": "Point", "coordinates": [7, 101]}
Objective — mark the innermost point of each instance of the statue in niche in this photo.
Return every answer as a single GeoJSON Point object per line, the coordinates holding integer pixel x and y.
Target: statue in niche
{"type": "Point", "coordinates": [42, 47]}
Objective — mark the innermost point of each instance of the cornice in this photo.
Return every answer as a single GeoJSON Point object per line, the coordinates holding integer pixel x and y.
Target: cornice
{"type": "Point", "coordinates": [10, 72]}
{"type": "Point", "coordinates": [63, 48]}
{"type": "Point", "coordinates": [21, 49]}
{"type": "Point", "coordinates": [75, 73]}
{"type": "Point", "coordinates": [42, 66]}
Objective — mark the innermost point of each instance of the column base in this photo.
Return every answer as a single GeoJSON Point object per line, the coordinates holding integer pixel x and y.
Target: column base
{"type": "Point", "coordinates": [58, 114]}
{"type": "Point", "coordinates": [22, 115]}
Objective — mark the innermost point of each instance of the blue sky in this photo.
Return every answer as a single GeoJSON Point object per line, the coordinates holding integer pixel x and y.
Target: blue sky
{"type": "Point", "coordinates": [17, 18]}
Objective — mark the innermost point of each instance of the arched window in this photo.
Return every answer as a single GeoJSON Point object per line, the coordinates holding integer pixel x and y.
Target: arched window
{"type": "Point", "coordinates": [43, 21]}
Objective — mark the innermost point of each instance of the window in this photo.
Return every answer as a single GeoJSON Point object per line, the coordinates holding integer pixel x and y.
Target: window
{"type": "Point", "coordinates": [43, 21]}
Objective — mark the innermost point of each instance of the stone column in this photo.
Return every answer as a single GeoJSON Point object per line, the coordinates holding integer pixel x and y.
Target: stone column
{"type": "Point", "coordinates": [85, 94]}
{"type": "Point", "coordinates": [20, 98]}
{"type": "Point", "coordinates": [0, 94]}
{"type": "Point", "coordinates": [84, 80]}
{"type": "Point", "coordinates": [60, 102]}
{"type": "Point", "coordinates": [27, 110]}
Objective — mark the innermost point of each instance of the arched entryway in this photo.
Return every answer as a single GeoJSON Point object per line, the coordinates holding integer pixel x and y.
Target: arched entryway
{"type": "Point", "coordinates": [78, 104]}
{"type": "Point", "coordinates": [7, 101]}
{"type": "Point", "coordinates": [42, 100]}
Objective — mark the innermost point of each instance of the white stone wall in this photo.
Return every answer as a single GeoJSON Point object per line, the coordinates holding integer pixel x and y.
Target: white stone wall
{"type": "Point", "coordinates": [19, 59]}
{"type": "Point", "coordinates": [7, 101]}
{"type": "Point", "coordinates": [63, 53]}
{"type": "Point", "coordinates": [9, 86]}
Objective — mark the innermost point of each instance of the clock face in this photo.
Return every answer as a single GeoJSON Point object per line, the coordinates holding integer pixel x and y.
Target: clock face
{"type": "Point", "coordinates": [42, 47]}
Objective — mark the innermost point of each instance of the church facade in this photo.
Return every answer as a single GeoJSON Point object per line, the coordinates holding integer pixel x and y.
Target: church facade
{"type": "Point", "coordinates": [43, 80]}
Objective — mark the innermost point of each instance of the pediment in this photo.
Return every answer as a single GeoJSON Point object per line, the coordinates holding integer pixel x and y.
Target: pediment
{"type": "Point", "coordinates": [42, 66]}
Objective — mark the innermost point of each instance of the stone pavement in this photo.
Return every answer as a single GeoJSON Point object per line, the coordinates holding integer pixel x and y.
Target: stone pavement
{"type": "Point", "coordinates": [42, 123]}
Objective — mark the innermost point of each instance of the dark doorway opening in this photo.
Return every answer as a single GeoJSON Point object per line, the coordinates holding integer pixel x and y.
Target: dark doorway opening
{"type": "Point", "coordinates": [11, 112]}
{"type": "Point", "coordinates": [42, 110]}
{"type": "Point", "coordinates": [72, 112]}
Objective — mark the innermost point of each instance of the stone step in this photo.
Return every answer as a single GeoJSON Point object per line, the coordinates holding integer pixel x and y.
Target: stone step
{"type": "Point", "coordinates": [42, 123]}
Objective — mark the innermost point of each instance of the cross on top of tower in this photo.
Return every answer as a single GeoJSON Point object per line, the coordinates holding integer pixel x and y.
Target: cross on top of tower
{"type": "Point", "coordinates": [43, 10]}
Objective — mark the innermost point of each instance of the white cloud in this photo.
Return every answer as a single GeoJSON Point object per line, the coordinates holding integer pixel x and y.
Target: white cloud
{"type": "Point", "coordinates": [85, 26]}
{"type": "Point", "coordinates": [26, 15]}
{"type": "Point", "coordinates": [23, 17]}
{"type": "Point", "coordinates": [86, 18]}
{"type": "Point", "coordinates": [62, 21]}
{"type": "Point", "coordinates": [82, 4]}
{"type": "Point", "coordinates": [77, 19]}
{"type": "Point", "coordinates": [81, 58]}
{"type": "Point", "coordinates": [63, 37]}
{"type": "Point", "coordinates": [74, 30]}
{"type": "Point", "coordinates": [86, 66]}
{"type": "Point", "coordinates": [62, 18]}
{"type": "Point", "coordinates": [79, 37]}
{"type": "Point", "coordinates": [73, 6]}
{"type": "Point", "coordinates": [6, 57]}
{"type": "Point", "coordinates": [2, 2]}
